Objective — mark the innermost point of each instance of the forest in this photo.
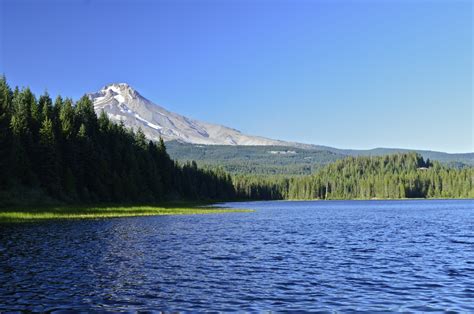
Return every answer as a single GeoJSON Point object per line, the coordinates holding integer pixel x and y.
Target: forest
{"type": "Point", "coordinates": [262, 160]}
{"type": "Point", "coordinates": [60, 151]}
{"type": "Point", "coordinates": [403, 175]}
{"type": "Point", "coordinates": [290, 160]}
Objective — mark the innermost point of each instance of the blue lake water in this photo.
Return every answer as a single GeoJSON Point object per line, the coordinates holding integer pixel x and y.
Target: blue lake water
{"type": "Point", "coordinates": [325, 255]}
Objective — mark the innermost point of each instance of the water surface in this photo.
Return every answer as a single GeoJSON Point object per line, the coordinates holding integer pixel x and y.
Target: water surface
{"type": "Point", "coordinates": [323, 255]}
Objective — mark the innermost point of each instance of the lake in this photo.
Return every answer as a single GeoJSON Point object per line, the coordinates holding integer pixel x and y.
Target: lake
{"type": "Point", "coordinates": [411, 255]}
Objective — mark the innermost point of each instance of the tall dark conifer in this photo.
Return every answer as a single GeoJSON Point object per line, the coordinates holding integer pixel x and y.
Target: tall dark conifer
{"type": "Point", "coordinates": [48, 159]}
{"type": "Point", "coordinates": [5, 134]}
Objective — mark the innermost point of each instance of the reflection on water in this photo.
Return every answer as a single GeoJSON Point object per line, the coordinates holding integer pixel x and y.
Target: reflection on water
{"type": "Point", "coordinates": [340, 255]}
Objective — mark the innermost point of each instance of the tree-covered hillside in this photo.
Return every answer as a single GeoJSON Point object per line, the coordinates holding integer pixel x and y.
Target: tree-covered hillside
{"type": "Point", "coordinates": [274, 160]}
{"type": "Point", "coordinates": [392, 176]}
{"type": "Point", "coordinates": [457, 160]}
{"type": "Point", "coordinates": [264, 160]}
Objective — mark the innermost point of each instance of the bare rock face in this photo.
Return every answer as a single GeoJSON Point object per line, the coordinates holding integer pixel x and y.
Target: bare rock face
{"type": "Point", "coordinates": [122, 103]}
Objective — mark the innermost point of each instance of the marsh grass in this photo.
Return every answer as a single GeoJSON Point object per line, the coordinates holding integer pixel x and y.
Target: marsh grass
{"type": "Point", "coordinates": [102, 211]}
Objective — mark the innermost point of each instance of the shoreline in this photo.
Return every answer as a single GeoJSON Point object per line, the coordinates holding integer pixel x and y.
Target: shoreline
{"type": "Point", "coordinates": [106, 211]}
{"type": "Point", "coordinates": [80, 212]}
{"type": "Point", "coordinates": [345, 200]}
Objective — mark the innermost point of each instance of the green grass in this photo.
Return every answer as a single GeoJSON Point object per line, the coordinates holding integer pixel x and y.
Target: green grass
{"type": "Point", "coordinates": [91, 212]}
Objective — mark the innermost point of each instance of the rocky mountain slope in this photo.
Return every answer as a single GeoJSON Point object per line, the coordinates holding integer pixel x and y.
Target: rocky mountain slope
{"type": "Point", "coordinates": [190, 139]}
{"type": "Point", "coordinates": [122, 103]}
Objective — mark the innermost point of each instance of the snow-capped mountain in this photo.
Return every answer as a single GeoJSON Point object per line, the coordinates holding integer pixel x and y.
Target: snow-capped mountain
{"type": "Point", "coordinates": [122, 103]}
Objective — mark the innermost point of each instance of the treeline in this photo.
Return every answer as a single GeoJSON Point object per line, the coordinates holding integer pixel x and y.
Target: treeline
{"type": "Point", "coordinates": [61, 151]}
{"type": "Point", "coordinates": [262, 160]}
{"type": "Point", "coordinates": [392, 176]}
{"type": "Point", "coordinates": [288, 161]}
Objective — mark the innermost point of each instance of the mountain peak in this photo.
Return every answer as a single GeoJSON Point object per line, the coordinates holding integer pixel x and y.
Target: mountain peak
{"type": "Point", "coordinates": [122, 103]}
{"type": "Point", "coordinates": [117, 85]}
{"type": "Point", "coordinates": [122, 89]}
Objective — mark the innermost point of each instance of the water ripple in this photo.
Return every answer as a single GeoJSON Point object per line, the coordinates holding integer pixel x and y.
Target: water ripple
{"type": "Point", "coordinates": [350, 256]}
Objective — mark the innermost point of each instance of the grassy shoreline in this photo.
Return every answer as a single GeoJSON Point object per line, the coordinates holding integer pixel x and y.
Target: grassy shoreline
{"type": "Point", "coordinates": [30, 214]}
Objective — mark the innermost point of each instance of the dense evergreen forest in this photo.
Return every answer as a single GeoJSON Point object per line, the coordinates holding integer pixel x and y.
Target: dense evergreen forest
{"type": "Point", "coordinates": [395, 176]}
{"type": "Point", "coordinates": [289, 161]}
{"type": "Point", "coordinates": [263, 160]}
{"type": "Point", "coordinates": [60, 151]}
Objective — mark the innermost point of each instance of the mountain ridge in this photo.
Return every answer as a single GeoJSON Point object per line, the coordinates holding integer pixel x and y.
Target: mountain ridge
{"type": "Point", "coordinates": [284, 160]}
{"type": "Point", "coordinates": [122, 103]}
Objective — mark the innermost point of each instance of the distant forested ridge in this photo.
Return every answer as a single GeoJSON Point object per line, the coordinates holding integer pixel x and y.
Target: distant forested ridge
{"type": "Point", "coordinates": [264, 160]}
{"type": "Point", "coordinates": [289, 161]}
{"type": "Point", "coordinates": [394, 176]}
{"type": "Point", "coordinates": [62, 151]}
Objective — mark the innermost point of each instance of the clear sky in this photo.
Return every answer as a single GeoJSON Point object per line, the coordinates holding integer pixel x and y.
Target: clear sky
{"type": "Point", "coordinates": [349, 74]}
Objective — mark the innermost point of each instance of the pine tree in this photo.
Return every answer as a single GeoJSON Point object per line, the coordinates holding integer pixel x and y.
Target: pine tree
{"type": "Point", "coordinates": [5, 134]}
{"type": "Point", "coordinates": [66, 117]}
{"type": "Point", "coordinates": [85, 114]}
{"type": "Point", "coordinates": [45, 106]}
{"type": "Point", "coordinates": [140, 139]}
{"type": "Point", "coordinates": [48, 168]}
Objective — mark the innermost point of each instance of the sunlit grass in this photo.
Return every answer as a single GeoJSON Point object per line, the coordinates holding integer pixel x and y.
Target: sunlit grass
{"type": "Point", "coordinates": [88, 212]}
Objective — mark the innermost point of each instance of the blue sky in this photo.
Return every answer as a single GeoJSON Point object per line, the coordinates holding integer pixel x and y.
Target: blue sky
{"type": "Point", "coordinates": [349, 74]}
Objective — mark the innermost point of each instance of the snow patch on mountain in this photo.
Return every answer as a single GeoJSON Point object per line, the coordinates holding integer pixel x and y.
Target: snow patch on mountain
{"type": "Point", "coordinates": [119, 98]}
